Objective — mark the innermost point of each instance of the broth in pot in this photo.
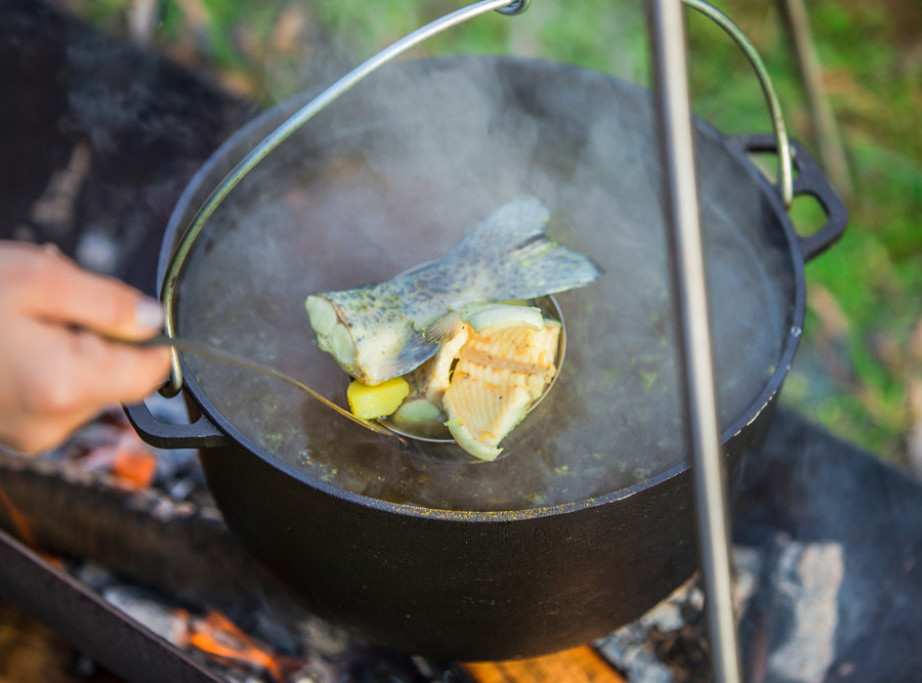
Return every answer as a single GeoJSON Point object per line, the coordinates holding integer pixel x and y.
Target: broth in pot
{"type": "Point", "coordinates": [382, 184]}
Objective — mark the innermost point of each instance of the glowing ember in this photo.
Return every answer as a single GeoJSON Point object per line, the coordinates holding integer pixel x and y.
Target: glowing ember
{"type": "Point", "coordinates": [133, 465]}
{"type": "Point", "coordinates": [20, 523]}
{"type": "Point", "coordinates": [578, 665]}
{"type": "Point", "coordinates": [219, 637]}
{"type": "Point", "coordinates": [123, 455]}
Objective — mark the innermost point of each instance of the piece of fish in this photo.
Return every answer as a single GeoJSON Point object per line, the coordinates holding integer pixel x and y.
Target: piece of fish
{"type": "Point", "coordinates": [379, 331]}
{"type": "Point", "coordinates": [502, 371]}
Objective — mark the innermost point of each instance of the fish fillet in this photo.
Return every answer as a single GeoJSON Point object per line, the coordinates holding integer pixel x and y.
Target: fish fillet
{"type": "Point", "coordinates": [500, 374]}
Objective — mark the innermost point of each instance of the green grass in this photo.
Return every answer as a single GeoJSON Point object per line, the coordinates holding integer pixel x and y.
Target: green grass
{"type": "Point", "coordinates": [857, 357]}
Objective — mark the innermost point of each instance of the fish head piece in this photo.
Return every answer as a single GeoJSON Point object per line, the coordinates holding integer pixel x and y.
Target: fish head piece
{"type": "Point", "coordinates": [391, 351]}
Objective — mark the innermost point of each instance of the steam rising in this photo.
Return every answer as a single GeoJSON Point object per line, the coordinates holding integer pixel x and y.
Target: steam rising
{"type": "Point", "coordinates": [389, 178]}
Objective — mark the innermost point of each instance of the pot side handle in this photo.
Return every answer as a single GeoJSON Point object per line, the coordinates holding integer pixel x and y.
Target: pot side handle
{"type": "Point", "coordinates": [810, 180]}
{"type": "Point", "coordinates": [200, 434]}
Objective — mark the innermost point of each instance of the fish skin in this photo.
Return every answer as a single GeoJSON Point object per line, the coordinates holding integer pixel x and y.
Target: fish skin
{"type": "Point", "coordinates": [505, 256]}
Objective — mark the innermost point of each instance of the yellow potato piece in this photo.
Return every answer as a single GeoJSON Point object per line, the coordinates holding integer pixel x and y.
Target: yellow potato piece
{"type": "Point", "coordinates": [369, 402]}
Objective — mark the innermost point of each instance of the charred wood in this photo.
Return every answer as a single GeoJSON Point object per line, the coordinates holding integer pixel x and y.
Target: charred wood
{"type": "Point", "coordinates": [178, 548]}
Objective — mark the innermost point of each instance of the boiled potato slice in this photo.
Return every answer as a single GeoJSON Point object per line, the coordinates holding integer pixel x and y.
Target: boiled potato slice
{"type": "Point", "coordinates": [380, 400]}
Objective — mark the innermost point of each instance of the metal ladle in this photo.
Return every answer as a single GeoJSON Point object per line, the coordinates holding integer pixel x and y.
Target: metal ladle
{"type": "Point", "coordinates": [383, 426]}
{"type": "Point", "coordinates": [216, 353]}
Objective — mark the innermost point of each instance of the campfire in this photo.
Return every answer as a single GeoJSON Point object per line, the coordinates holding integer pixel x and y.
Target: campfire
{"type": "Point", "coordinates": [106, 468]}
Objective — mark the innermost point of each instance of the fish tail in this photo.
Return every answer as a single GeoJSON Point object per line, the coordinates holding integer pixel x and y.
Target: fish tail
{"type": "Point", "coordinates": [511, 256]}
{"type": "Point", "coordinates": [509, 227]}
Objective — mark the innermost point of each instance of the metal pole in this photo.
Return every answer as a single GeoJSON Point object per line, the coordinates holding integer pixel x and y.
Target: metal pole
{"type": "Point", "coordinates": [690, 292]}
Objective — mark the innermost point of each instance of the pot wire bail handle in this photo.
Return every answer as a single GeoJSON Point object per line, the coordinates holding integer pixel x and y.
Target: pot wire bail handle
{"type": "Point", "coordinates": [785, 156]}
{"type": "Point", "coordinates": [516, 7]}
{"type": "Point", "coordinates": [169, 290]}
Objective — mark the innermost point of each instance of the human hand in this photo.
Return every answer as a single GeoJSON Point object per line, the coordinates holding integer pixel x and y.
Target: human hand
{"type": "Point", "coordinates": [56, 369]}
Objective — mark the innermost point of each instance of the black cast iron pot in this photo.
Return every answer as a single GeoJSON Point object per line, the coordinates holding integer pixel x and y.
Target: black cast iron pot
{"type": "Point", "coordinates": [586, 523]}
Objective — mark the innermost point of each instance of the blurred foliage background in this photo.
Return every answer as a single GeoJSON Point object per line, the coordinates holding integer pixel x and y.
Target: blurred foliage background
{"type": "Point", "coordinates": [859, 370]}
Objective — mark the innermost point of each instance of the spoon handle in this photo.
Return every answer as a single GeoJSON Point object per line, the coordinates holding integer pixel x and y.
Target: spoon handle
{"type": "Point", "coordinates": [215, 353]}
